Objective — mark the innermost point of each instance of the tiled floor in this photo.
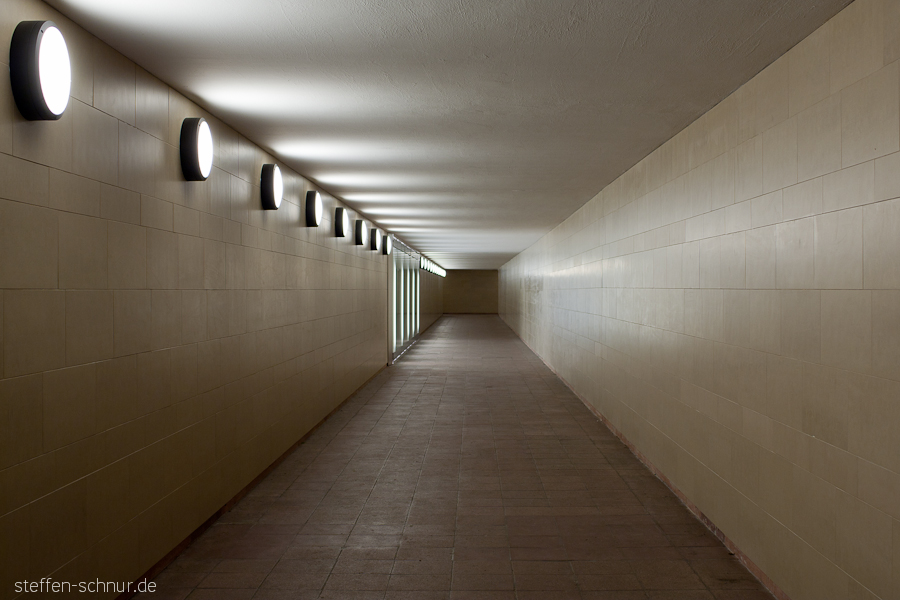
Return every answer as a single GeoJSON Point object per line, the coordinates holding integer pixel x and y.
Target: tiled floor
{"type": "Point", "coordinates": [465, 471]}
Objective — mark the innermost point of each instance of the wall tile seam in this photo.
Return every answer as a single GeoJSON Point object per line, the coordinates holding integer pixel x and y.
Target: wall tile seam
{"type": "Point", "coordinates": [562, 225]}
{"type": "Point", "coordinates": [275, 228]}
{"type": "Point", "coordinates": [636, 414]}
{"type": "Point", "coordinates": [856, 495]}
{"type": "Point", "coordinates": [741, 434]}
{"type": "Point", "coordinates": [631, 237]}
{"type": "Point", "coordinates": [235, 336]}
{"type": "Point", "coordinates": [224, 460]}
{"type": "Point", "coordinates": [355, 252]}
{"type": "Point", "coordinates": [160, 442]}
{"type": "Point", "coordinates": [608, 423]}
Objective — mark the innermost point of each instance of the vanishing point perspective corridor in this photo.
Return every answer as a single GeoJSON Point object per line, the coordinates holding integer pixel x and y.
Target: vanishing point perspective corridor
{"type": "Point", "coordinates": [467, 470]}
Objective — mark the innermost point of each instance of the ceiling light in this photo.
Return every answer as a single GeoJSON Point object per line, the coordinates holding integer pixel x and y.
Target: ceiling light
{"type": "Point", "coordinates": [271, 187]}
{"type": "Point", "coordinates": [341, 222]}
{"type": "Point", "coordinates": [388, 246]}
{"type": "Point", "coordinates": [375, 241]}
{"type": "Point", "coordinates": [196, 149]}
{"type": "Point", "coordinates": [313, 209]}
{"type": "Point", "coordinates": [39, 70]}
{"type": "Point", "coordinates": [362, 233]}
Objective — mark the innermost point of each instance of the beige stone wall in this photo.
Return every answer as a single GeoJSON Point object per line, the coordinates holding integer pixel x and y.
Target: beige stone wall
{"type": "Point", "coordinates": [162, 341]}
{"type": "Point", "coordinates": [471, 291]}
{"type": "Point", "coordinates": [732, 304]}
{"type": "Point", "coordinates": [431, 299]}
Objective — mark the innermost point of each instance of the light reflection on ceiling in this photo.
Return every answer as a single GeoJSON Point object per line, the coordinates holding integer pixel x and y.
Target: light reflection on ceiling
{"type": "Point", "coordinates": [509, 114]}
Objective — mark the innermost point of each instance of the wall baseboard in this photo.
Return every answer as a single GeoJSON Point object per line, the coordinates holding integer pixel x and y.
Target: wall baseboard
{"type": "Point", "coordinates": [745, 560]}
{"type": "Point", "coordinates": [165, 561]}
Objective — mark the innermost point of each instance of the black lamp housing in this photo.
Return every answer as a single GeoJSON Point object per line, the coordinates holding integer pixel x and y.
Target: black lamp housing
{"type": "Point", "coordinates": [374, 240]}
{"type": "Point", "coordinates": [313, 209]}
{"type": "Point", "coordinates": [387, 246]}
{"type": "Point", "coordinates": [24, 70]}
{"type": "Point", "coordinates": [190, 157]}
{"type": "Point", "coordinates": [341, 222]}
{"type": "Point", "coordinates": [267, 187]}
{"type": "Point", "coordinates": [361, 233]}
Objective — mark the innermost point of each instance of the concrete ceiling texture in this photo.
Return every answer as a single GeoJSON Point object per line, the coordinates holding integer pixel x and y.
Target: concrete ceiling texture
{"type": "Point", "coordinates": [469, 128]}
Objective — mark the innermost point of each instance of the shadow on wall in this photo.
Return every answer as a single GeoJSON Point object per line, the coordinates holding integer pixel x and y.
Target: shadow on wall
{"type": "Point", "coordinates": [471, 292]}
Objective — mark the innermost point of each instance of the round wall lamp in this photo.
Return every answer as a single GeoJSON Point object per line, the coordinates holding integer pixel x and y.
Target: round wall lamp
{"type": "Point", "coordinates": [362, 233]}
{"type": "Point", "coordinates": [341, 222]}
{"type": "Point", "coordinates": [196, 149]}
{"type": "Point", "coordinates": [39, 70]}
{"type": "Point", "coordinates": [313, 209]}
{"type": "Point", "coordinates": [375, 241]}
{"type": "Point", "coordinates": [388, 246]}
{"type": "Point", "coordinates": [428, 265]}
{"type": "Point", "coordinates": [271, 186]}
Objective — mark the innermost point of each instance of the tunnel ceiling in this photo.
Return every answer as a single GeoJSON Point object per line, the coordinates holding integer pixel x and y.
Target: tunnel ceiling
{"type": "Point", "coordinates": [469, 128]}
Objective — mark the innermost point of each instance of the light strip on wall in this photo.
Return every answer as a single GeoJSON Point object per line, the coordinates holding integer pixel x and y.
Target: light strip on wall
{"type": "Point", "coordinates": [39, 70]}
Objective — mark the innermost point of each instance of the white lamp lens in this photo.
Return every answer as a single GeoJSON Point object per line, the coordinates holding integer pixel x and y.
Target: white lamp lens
{"type": "Point", "coordinates": [277, 186]}
{"type": "Point", "coordinates": [365, 234]}
{"type": "Point", "coordinates": [204, 149]}
{"type": "Point", "coordinates": [318, 209]}
{"type": "Point", "coordinates": [55, 71]}
{"type": "Point", "coordinates": [345, 223]}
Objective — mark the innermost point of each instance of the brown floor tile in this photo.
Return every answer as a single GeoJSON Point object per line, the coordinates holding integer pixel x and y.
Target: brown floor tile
{"type": "Point", "coordinates": [423, 567]}
{"type": "Point", "coordinates": [466, 471]}
{"type": "Point", "coordinates": [482, 581]}
{"type": "Point", "coordinates": [270, 594]}
{"type": "Point", "coordinates": [287, 580]}
{"type": "Point", "coordinates": [481, 595]}
{"type": "Point", "coordinates": [545, 581]}
{"type": "Point", "coordinates": [481, 554]}
{"type": "Point", "coordinates": [357, 581]}
{"type": "Point", "coordinates": [609, 581]}
{"type": "Point", "coordinates": [199, 594]}
{"type": "Point", "coordinates": [613, 595]}
{"type": "Point", "coordinates": [724, 574]}
{"type": "Point", "coordinates": [548, 595]}
{"type": "Point", "coordinates": [482, 566]}
{"type": "Point", "coordinates": [370, 566]}
{"type": "Point", "coordinates": [233, 580]}
{"type": "Point", "coordinates": [420, 581]}
{"type": "Point", "coordinates": [167, 593]}
{"type": "Point", "coordinates": [351, 595]}
{"type": "Point", "coordinates": [667, 575]}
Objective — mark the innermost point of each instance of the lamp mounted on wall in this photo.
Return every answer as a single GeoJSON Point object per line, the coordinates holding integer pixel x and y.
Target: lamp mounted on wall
{"type": "Point", "coordinates": [388, 246]}
{"type": "Point", "coordinates": [375, 240]}
{"type": "Point", "coordinates": [39, 70]}
{"type": "Point", "coordinates": [341, 222]}
{"type": "Point", "coordinates": [432, 267]}
{"type": "Point", "coordinates": [196, 149]}
{"type": "Point", "coordinates": [313, 209]}
{"type": "Point", "coordinates": [271, 187]}
{"type": "Point", "coordinates": [362, 233]}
